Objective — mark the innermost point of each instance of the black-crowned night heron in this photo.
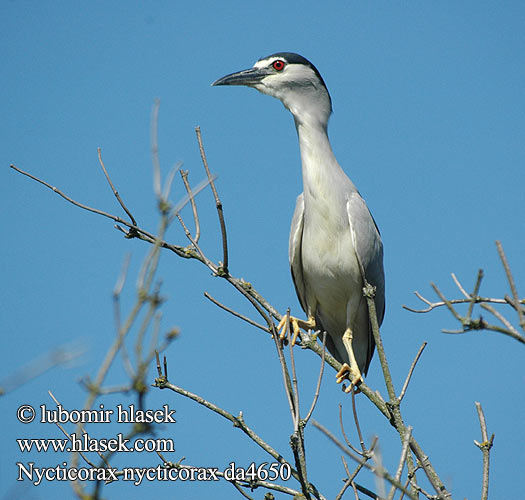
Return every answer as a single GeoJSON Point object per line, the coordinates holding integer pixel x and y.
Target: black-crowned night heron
{"type": "Point", "coordinates": [332, 227]}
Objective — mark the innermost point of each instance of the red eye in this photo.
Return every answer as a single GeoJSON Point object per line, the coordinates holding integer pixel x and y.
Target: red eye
{"type": "Point", "coordinates": [278, 65]}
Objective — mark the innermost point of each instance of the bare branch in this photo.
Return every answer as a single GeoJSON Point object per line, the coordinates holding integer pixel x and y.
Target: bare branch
{"type": "Point", "coordinates": [485, 447]}
{"type": "Point", "coordinates": [252, 484]}
{"type": "Point", "coordinates": [241, 491]}
{"type": "Point", "coordinates": [516, 301]}
{"type": "Point", "coordinates": [402, 460]}
{"type": "Point", "coordinates": [91, 464]}
{"type": "Point", "coordinates": [184, 201]}
{"type": "Point", "coordinates": [376, 470]}
{"type": "Point", "coordinates": [218, 203]}
{"type": "Point", "coordinates": [319, 379]}
{"type": "Point", "coordinates": [474, 295]}
{"type": "Point", "coordinates": [409, 376]}
{"type": "Point", "coordinates": [461, 289]}
{"type": "Point", "coordinates": [237, 314]}
{"type": "Point", "coordinates": [434, 305]}
{"type": "Point", "coordinates": [481, 324]}
{"type": "Point", "coordinates": [295, 387]}
{"type": "Point", "coordinates": [297, 438]}
{"type": "Point", "coordinates": [502, 318]}
{"type": "Point", "coordinates": [447, 302]}
{"type": "Point", "coordinates": [467, 322]}
{"type": "Point", "coordinates": [184, 175]}
{"type": "Point", "coordinates": [390, 409]}
{"type": "Point", "coordinates": [345, 437]}
{"type": "Point", "coordinates": [430, 472]}
{"type": "Point", "coordinates": [351, 477]}
{"type": "Point", "coordinates": [238, 422]}
{"type": "Point", "coordinates": [115, 192]}
{"type": "Point", "coordinates": [197, 248]}
{"type": "Point", "coordinates": [357, 426]}
{"type": "Point", "coordinates": [284, 370]}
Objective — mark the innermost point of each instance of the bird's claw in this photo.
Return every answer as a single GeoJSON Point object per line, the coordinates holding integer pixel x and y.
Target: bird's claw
{"type": "Point", "coordinates": [344, 374]}
{"type": "Point", "coordinates": [284, 327]}
{"type": "Point", "coordinates": [296, 324]}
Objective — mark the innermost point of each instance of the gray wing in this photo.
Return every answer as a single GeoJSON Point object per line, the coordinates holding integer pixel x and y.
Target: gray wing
{"type": "Point", "coordinates": [294, 251]}
{"type": "Point", "coordinates": [369, 247]}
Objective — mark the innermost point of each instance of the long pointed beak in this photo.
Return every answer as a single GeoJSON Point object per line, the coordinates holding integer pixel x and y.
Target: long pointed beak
{"type": "Point", "coordinates": [248, 77]}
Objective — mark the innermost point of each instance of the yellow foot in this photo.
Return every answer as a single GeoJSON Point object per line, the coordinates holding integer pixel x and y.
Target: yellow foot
{"type": "Point", "coordinates": [296, 325]}
{"type": "Point", "coordinates": [344, 374]}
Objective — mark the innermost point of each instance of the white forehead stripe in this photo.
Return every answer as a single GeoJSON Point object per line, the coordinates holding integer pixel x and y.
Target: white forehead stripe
{"type": "Point", "coordinates": [265, 62]}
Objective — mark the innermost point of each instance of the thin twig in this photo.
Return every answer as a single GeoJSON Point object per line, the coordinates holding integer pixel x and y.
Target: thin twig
{"type": "Point", "coordinates": [71, 200]}
{"type": "Point", "coordinates": [485, 447]}
{"type": "Point", "coordinates": [481, 324]}
{"type": "Point", "coordinates": [248, 483]}
{"type": "Point", "coordinates": [297, 439]}
{"type": "Point", "coordinates": [406, 486]}
{"type": "Point", "coordinates": [510, 278]}
{"type": "Point", "coordinates": [402, 460]}
{"type": "Point", "coordinates": [192, 240]}
{"type": "Point", "coordinates": [237, 314]}
{"type": "Point", "coordinates": [135, 231]}
{"type": "Point", "coordinates": [184, 175]}
{"type": "Point", "coordinates": [356, 495]}
{"type": "Point", "coordinates": [257, 301]}
{"type": "Point", "coordinates": [185, 199]}
{"type": "Point", "coordinates": [409, 376]}
{"type": "Point", "coordinates": [319, 379]}
{"type": "Point", "coordinates": [350, 482]}
{"type": "Point", "coordinates": [429, 470]}
{"type": "Point", "coordinates": [115, 192]}
{"type": "Point", "coordinates": [238, 422]}
{"type": "Point", "coordinates": [284, 370]}
{"type": "Point", "coordinates": [356, 420]}
{"type": "Point", "coordinates": [218, 203]}
{"type": "Point", "coordinates": [447, 302]}
{"type": "Point", "coordinates": [461, 289]}
{"type": "Point", "coordinates": [474, 294]}
{"type": "Point", "coordinates": [345, 437]}
{"type": "Point", "coordinates": [502, 318]}
{"type": "Point", "coordinates": [68, 436]}
{"type": "Point", "coordinates": [376, 470]}
{"type": "Point", "coordinates": [295, 387]}
{"type": "Point", "coordinates": [347, 483]}
{"type": "Point", "coordinates": [434, 305]}
{"type": "Point", "coordinates": [241, 491]}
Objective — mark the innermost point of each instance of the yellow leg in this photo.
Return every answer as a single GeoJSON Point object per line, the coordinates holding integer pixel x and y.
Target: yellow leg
{"type": "Point", "coordinates": [349, 370]}
{"type": "Point", "coordinates": [296, 325]}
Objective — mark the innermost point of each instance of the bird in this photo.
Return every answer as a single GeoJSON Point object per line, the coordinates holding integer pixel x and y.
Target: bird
{"type": "Point", "coordinates": [333, 236]}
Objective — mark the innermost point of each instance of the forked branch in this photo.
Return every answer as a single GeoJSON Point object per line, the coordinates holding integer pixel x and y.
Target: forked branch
{"type": "Point", "coordinates": [467, 321]}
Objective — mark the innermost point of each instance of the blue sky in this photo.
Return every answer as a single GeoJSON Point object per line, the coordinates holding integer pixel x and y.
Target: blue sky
{"type": "Point", "coordinates": [429, 122]}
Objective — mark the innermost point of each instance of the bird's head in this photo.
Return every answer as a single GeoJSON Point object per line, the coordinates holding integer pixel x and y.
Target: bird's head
{"type": "Point", "coordinates": [293, 80]}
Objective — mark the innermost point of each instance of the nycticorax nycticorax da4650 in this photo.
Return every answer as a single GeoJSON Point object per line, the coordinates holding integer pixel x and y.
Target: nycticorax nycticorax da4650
{"type": "Point", "coordinates": [332, 228]}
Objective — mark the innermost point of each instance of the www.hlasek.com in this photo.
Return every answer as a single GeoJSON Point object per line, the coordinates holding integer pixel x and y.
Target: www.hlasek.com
{"type": "Point", "coordinates": [61, 472]}
{"type": "Point", "coordinates": [84, 444]}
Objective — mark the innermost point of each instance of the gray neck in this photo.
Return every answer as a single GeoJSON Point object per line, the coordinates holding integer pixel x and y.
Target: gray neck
{"type": "Point", "coordinates": [322, 174]}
